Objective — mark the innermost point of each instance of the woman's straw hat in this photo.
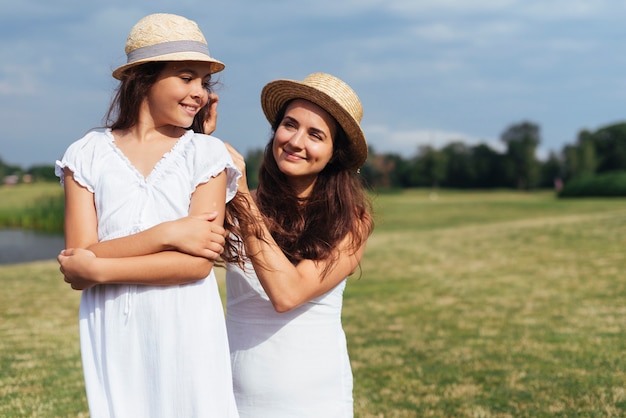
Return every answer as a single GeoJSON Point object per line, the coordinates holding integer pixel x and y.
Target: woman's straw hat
{"type": "Point", "coordinates": [331, 94]}
{"type": "Point", "coordinates": [166, 37]}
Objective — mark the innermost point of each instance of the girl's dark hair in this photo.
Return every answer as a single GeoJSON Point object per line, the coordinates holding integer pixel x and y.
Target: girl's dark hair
{"type": "Point", "coordinates": [310, 228]}
{"type": "Point", "coordinates": [134, 86]}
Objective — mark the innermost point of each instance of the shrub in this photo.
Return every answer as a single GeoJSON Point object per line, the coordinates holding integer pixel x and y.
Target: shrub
{"type": "Point", "coordinates": [609, 184]}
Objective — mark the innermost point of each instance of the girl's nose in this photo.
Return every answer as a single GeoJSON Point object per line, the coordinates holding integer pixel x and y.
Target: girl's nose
{"type": "Point", "coordinates": [199, 91]}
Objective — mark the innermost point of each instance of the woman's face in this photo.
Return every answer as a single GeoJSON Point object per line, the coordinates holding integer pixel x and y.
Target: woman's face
{"type": "Point", "coordinates": [179, 93]}
{"type": "Point", "coordinates": [303, 143]}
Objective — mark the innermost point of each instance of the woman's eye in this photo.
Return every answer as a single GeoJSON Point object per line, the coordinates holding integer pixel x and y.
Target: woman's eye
{"type": "Point", "coordinates": [207, 86]}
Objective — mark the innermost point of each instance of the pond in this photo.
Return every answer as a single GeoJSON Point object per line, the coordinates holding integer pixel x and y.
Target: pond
{"type": "Point", "coordinates": [20, 246]}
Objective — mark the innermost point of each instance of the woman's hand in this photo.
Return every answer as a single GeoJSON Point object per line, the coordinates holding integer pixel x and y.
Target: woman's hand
{"type": "Point", "coordinates": [197, 235]}
{"type": "Point", "coordinates": [210, 123]}
{"type": "Point", "coordinates": [78, 267]}
{"type": "Point", "coordinates": [240, 163]}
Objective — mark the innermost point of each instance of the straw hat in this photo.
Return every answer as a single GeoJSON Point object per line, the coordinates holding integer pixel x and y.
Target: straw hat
{"type": "Point", "coordinates": [328, 92]}
{"type": "Point", "coordinates": [166, 37]}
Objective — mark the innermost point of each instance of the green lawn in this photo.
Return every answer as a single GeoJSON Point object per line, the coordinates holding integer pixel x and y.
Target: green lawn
{"type": "Point", "coordinates": [491, 305]}
{"type": "Point", "coordinates": [481, 304]}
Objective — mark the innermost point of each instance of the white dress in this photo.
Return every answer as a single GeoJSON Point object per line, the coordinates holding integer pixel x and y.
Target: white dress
{"type": "Point", "coordinates": [152, 351]}
{"type": "Point", "coordinates": [286, 365]}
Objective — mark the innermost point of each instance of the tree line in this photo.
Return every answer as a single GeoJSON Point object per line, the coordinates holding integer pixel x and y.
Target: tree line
{"type": "Point", "coordinates": [462, 166]}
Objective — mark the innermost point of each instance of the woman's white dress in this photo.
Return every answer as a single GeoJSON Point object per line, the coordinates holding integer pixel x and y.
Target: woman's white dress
{"type": "Point", "coordinates": [285, 365]}
{"type": "Point", "coordinates": [152, 351]}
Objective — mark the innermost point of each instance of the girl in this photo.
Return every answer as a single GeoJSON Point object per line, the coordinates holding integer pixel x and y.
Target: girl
{"type": "Point", "coordinates": [153, 339]}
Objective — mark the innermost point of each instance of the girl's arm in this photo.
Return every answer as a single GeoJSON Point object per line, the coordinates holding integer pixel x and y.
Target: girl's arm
{"type": "Point", "coordinates": [129, 263]}
{"type": "Point", "coordinates": [288, 285]}
{"type": "Point", "coordinates": [198, 235]}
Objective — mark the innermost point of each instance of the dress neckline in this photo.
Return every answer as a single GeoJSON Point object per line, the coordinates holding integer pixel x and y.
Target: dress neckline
{"type": "Point", "coordinates": [155, 170]}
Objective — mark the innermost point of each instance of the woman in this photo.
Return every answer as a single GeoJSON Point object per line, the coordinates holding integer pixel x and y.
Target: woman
{"type": "Point", "coordinates": [304, 233]}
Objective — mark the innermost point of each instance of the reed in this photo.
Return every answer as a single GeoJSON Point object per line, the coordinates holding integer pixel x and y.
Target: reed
{"type": "Point", "coordinates": [37, 206]}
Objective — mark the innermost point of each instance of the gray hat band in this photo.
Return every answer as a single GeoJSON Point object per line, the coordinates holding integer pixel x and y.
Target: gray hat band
{"type": "Point", "coordinates": [164, 48]}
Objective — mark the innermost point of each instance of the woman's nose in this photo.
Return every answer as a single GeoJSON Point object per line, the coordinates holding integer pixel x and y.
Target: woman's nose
{"type": "Point", "coordinates": [296, 140]}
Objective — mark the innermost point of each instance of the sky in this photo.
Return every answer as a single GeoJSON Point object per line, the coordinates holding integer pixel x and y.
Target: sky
{"type": "Point", "coordinates": [428, 72]}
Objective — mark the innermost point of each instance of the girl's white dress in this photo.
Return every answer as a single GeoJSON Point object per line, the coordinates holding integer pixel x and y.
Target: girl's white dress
{"type": "Point", "coordinates": [285, 365]}
{"type": "Point", "coordinates": [152, 351]}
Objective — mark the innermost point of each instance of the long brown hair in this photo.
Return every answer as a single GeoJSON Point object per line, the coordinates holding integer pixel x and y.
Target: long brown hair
{"type": "Point", "coordinates": [309, 228]}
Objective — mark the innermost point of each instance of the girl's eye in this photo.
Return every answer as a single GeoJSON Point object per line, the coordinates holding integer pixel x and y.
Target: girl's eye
{"type": "Point", "coordinates": [207, 86]}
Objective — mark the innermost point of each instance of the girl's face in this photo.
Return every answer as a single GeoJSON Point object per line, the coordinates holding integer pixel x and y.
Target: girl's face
{"type": "Point", "coordinates": [303, 143]}
{"type": "Point", "coordinates": [179, 93]}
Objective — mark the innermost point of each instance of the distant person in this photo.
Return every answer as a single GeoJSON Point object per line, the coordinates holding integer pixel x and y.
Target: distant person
{"type": "Point", "coordinates": [152, 331]}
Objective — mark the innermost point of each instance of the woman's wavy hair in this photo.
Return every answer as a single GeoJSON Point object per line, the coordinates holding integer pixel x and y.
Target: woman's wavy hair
{"type": "Point", "coordinates": [309, 228]}
{"type": "Point", "coordinates": [133, 88]}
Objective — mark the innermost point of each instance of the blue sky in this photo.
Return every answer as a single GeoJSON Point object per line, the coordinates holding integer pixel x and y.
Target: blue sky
{"type": "Point", "coordinates": [427, 71]}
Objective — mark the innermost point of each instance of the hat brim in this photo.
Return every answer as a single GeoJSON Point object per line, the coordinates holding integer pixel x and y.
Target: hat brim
{"type": "Point", "coordinates": [276, 93]}
{"type": "Point", "coordinates": [215, 65]}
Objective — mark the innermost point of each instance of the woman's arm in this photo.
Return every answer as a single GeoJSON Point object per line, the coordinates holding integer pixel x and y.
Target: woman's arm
{"type": "Point", "coordinates": [128, 261]}
{"type": "Point", "coordinates": [288, 285]}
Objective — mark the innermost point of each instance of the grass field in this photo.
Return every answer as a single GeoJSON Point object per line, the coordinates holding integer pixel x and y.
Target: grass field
{"type": "Point", "coordinates": [473, 304]}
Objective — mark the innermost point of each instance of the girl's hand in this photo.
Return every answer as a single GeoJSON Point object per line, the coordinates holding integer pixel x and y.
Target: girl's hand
{"type": "Point", "coordinates": [78, 267]}
{"type": "Point", "coordinates": [197, 236]}
{"type": "Point", "coordinates": [240, 163]}
{"type": "Point", "coordinates": [210, 123]}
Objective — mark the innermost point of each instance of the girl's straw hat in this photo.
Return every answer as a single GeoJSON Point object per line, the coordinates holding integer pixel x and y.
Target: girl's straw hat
{"type": "Point", "coordinates": [328, 92]}
{"type": "Point", "coordinates": [166, 37]}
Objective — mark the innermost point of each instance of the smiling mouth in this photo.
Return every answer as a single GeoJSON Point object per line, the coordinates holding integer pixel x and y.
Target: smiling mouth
{"type": "Point", "coordinates": [293, 156]}
{"type": "Point", "coordinates": [192, 109]}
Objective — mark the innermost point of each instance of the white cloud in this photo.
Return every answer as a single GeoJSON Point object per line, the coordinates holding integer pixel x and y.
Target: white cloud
{"type": "Point", "coordinates": [407, 142]}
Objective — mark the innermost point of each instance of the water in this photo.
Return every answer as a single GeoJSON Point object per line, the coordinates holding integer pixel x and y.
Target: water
{"type": "Point", "coordinates": [19, 246]}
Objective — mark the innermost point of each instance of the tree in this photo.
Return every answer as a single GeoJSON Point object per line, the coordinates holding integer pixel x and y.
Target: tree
{"type": "Point", "coordinates": [587, 162]}
{"type": "Point", "coordinates": [254, 158]}
{"type": "Point", "coordinates": [610, 147]}
{"type": "Point", "coordinates": [42, 173]}
{"type": "Point", "coordinates": [460, 170]}
{"type": "Point", "coordinates": [551, 172]}
{"type": "Point", "coordinates": [522, 140]}
{"type": "Point", "coordinates": [432, 165]}
{"type": "Point", "coordinates": [488, 167]}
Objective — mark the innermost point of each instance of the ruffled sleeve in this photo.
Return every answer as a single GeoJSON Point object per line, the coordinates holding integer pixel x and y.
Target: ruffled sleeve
{"type": "Point", "coordinates": [80, 158]}
{"type": "Point", "coordinates": [210, 158]}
